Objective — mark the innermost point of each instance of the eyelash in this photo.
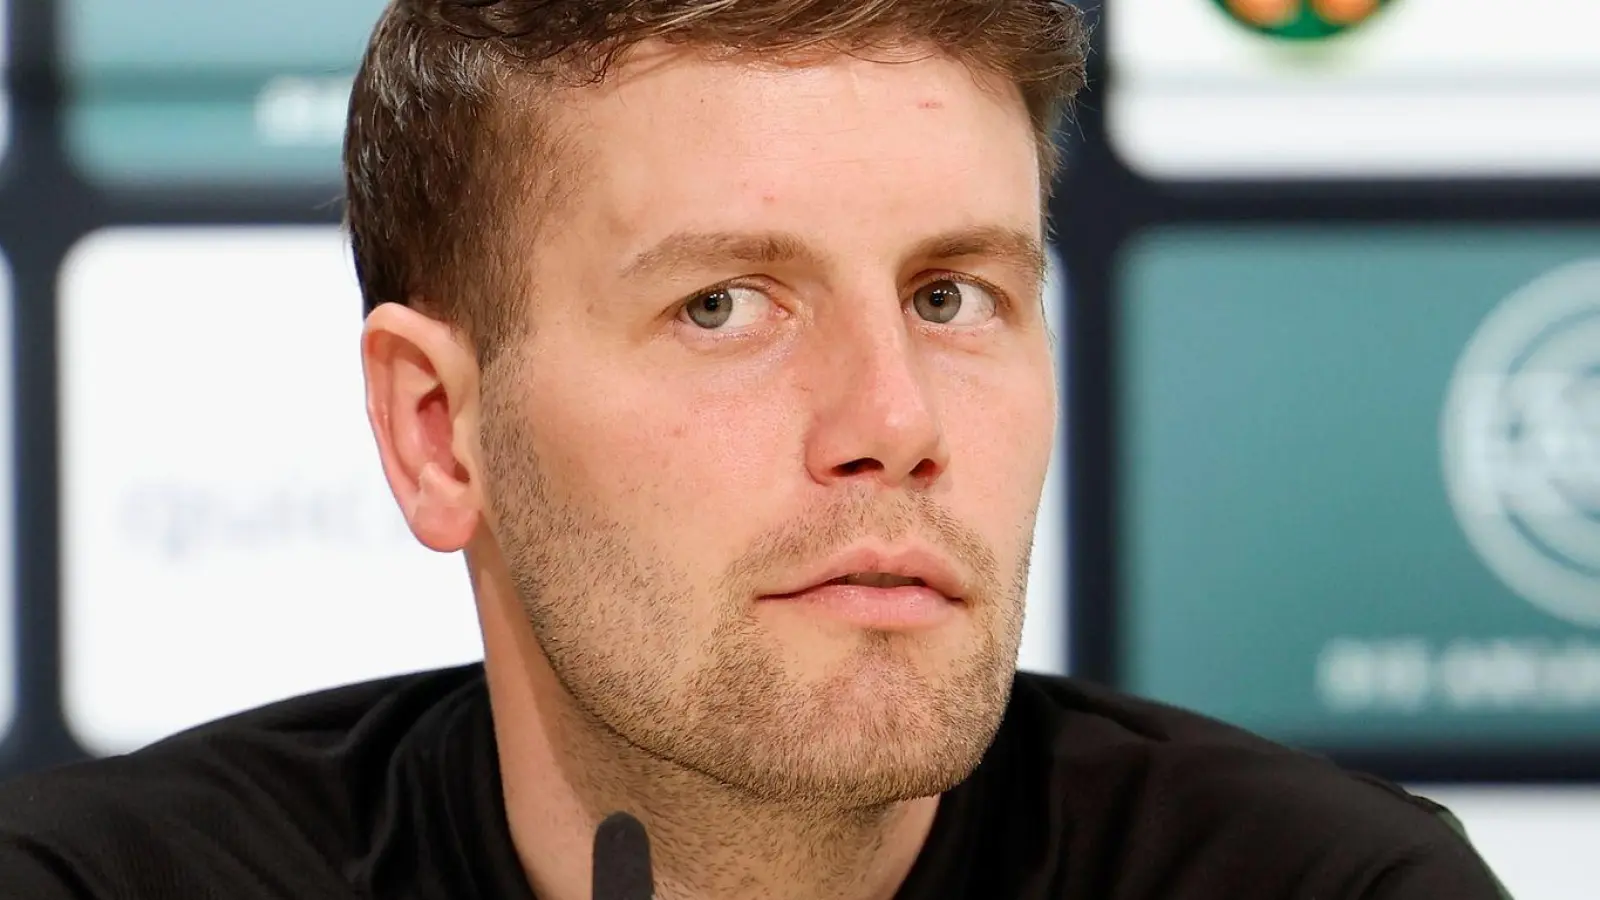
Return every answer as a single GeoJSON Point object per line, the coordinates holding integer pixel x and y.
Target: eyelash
{"type": "Point", "coordinates": [1003, 301]}
{"type": "Point", "coordinates": [1005, 306]}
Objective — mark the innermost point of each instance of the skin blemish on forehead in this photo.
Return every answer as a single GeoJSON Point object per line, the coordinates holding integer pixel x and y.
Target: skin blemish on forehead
{"type": "Point", "coordinates": [930, 104]}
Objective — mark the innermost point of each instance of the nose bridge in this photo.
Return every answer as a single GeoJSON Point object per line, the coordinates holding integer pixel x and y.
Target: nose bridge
{"type": "Point", "coordinates": [891, 372]}
{"type": "Point", "coordinates": [877, 411]}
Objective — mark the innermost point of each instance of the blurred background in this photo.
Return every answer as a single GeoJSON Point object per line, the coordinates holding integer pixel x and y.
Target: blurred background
{"type": "Point", "coordinates": [1327, 285]}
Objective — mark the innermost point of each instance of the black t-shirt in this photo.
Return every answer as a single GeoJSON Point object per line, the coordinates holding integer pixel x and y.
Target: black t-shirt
{"type": "Point", "coordinates": [391, 790]}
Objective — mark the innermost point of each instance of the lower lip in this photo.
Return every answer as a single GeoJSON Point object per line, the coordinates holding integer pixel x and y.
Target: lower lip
{"type": "Point", "coordinates": [884, 609]}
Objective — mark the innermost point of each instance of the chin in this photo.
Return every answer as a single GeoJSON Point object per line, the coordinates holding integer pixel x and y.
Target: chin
{"type": "Point", "coordinates": [862, 765]}
{"type": "Point", "coordinates": [844, 722]}
{"type": "Point", "coordinates": [886, 733]}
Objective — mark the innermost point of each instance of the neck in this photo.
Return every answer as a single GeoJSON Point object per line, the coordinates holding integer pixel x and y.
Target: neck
{"type": "Point", "coordinates": [563, 772]}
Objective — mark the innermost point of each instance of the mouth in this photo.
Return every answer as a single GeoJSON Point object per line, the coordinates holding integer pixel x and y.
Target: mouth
{"type": "Point", "coordinates": [916, 592]}
{"type": "Point", "coordinates": [887, 582]}
{"type": "Point", "coordinates": [877, 580]}
{"type": "Point", "coordinates": [881, 568]}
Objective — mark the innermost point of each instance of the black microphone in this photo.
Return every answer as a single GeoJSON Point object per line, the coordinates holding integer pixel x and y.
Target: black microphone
{"type": "Point", "coordinates": [622, 860]}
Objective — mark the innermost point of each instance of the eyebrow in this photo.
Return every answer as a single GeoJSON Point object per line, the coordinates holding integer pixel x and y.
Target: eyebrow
{"type": "Point", "coordinates": [1010, 245]}
{"type": "Point", "coordinates": [690, 248]}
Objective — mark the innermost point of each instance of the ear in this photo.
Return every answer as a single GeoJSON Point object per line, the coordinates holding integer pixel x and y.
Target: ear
{"type": "Point", "coordinates": [422, 401]}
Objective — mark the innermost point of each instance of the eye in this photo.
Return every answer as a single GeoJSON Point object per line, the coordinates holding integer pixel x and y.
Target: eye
{"type": "Point", "coordinates": [725, 308]}
{"type": "Point", "coordinates": [950, 302]}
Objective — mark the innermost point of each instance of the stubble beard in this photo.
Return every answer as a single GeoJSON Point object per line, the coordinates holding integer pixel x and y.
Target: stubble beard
{"type": "Point", "coordinates": [611, 617]}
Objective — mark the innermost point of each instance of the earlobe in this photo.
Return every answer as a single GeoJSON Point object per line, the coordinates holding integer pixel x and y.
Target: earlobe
{"type": "Point", "coordinates": [421, 382]}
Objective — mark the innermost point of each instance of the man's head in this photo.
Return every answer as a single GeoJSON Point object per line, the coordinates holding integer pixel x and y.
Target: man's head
{"type": "Point", "coordinates": [692, 306]}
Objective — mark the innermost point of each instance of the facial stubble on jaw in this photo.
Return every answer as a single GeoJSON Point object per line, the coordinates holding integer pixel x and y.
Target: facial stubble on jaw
{"type": "Point", "coordinates": [881, 729]}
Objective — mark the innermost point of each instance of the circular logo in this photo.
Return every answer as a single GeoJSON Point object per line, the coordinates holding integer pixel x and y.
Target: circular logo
{"type": "Point", "coordinates": [1521, 442]}
{"type": "Point", "coordinates": [1301, 20]}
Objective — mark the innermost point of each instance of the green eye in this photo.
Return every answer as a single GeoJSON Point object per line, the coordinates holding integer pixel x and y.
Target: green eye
{"type": "Point", "coordinates": [725, 308]}
{"type": "Point", "coordinates": [945, 301]}
{"type": "Point", "coordinates": [711, 309]}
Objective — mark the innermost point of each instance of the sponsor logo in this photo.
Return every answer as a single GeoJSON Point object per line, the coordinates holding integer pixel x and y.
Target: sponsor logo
{"type": "Point", "coordinates": [1520, 436]}
{"type": "Point", "coordinates": [1301, 20]}
{"type": "Point", "coordinates": [294, 111]}
{"type": "Point", "coordinates": [1409, 675]}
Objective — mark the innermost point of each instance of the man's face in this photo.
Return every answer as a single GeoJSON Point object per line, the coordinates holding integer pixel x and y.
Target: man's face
{"type": "Point", "coordinates": [787, 322]}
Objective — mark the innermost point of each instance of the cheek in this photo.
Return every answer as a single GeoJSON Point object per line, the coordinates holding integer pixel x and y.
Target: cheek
{"type": "Point", "coordinates": [670, 454]}
{"type": "Point", "coordinates": [714, 443]}
{"type": "Point", "coordinates": [1000, 422]}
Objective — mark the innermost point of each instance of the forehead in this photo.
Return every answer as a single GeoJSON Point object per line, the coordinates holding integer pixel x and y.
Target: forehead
{"type": "Point", "coordinates": [839, 148]}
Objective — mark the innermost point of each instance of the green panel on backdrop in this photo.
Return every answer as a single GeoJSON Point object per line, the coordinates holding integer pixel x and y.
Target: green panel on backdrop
{"type": "Point", "coordinates": [1291, 557]}
{"type": "Point", "coordinates": [191, 91]}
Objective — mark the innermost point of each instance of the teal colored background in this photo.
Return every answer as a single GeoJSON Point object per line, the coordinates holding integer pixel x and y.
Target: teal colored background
{"type": "Point", "coordinates": [1280, 401]}
{"type": "Point", "coordinates": [164, 91]}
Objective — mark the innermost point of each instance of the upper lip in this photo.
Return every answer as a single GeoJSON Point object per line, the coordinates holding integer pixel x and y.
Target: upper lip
{"type": "Point", "coordinates": [921, 563]}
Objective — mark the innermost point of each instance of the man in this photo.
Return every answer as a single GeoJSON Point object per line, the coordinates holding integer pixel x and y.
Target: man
{"type": "Point", "coordinates": [712, 333]}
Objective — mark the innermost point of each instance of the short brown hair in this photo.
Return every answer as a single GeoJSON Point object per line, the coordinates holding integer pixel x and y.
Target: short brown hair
{"type": "Point", "coordinates": [436, 165]}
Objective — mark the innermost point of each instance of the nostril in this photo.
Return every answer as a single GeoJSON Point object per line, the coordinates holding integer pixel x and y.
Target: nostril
{"type": "Point", "coordinates": [925, 470]}
{"type": "Point", "coordinates": [857, 466]}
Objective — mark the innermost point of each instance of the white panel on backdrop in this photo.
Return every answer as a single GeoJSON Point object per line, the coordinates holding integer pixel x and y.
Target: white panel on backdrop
{"type": "Point", "coordinates": [1539, 841]}
{"type": "Point", "coordinates": [8, 555]}
{"type": "Point", "coordinates": [1044, 633]}
{"type": "Point", "coordinates": [1426, 87]}
{"type": "Point", "coordinates": [228, 537]}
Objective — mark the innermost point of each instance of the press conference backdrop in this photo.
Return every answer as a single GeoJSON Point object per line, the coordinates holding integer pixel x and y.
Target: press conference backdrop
{"type": "Point", "coordinates": [1326, 285]}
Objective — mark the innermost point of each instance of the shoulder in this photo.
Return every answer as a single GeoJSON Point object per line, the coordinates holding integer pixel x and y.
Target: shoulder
{"type": "Point", "coordinates": [1155, 782]}
{"type": "Point", "coordinates": [206, 811]}
{"type": "Point", "coordinates": [107, 828]}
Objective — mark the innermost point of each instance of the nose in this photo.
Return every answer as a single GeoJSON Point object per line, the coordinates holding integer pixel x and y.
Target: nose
{"type": "Point", "coordinates": [875, 417]}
